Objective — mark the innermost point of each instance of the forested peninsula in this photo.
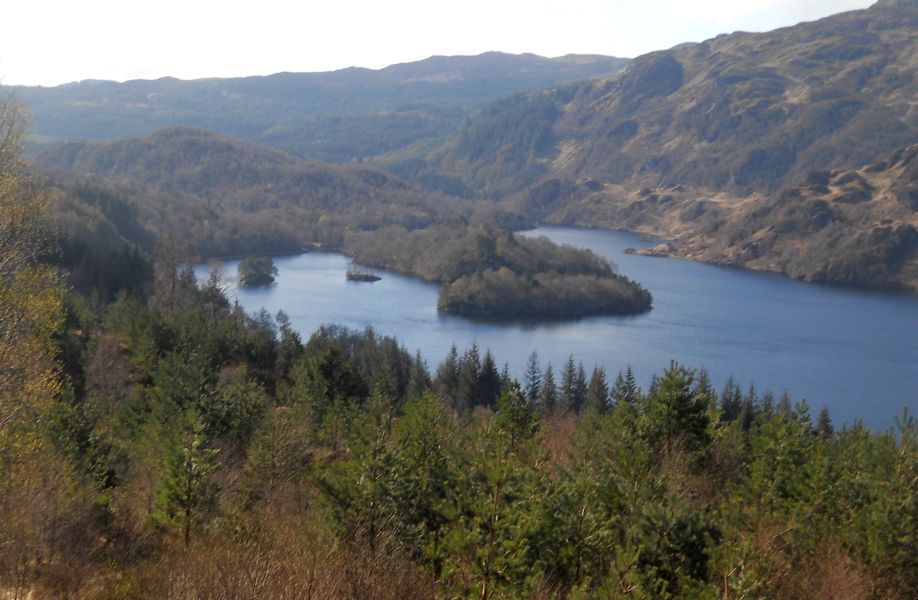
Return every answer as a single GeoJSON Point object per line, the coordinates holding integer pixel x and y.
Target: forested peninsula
{"type": "Point", "coordinates": [490, 272]}
{"type": "Point", "coordinates": [272, 202]}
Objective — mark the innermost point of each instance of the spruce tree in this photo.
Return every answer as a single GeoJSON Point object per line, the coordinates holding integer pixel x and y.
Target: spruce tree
{"type": "Point", "coordinates": [548, 399]}
{"type": "Point", "coordinates": [469, 373]}
{"type": "Point", "coordinates": [703, 383]}
{"type": "Point", "coordinates": [673, 412]}
{"type": "Point", "coordinates": [446, 382]}
{"type": "Point", "coordinates": [488, 381]}
{"type": "Point", "coordinates": [506, 381]}
{"type": "Point", "coordinates": [625, 389]}
{"type": "Point", "coordinates": [532, 379]}
{"type": "Point", "coordinates": [731, 400]}
{"type": "Point", "coordinates": [598, 392]}
{"type": "Point", "coordinates": [418, 377]}
{"type": "Point", "coordinates": [580, 389]}
{"type": "Point", "coordinates": [824, 424]}
{"type": "Point", "coordinates": [568, 385]}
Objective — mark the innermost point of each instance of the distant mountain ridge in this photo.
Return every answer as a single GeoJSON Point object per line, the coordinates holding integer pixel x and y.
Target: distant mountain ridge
{"type": "Point", "coordinates": [334, 116]}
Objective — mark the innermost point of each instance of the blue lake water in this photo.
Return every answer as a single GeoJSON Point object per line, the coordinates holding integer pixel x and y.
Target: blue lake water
{"type": "Point", "coordinates": [854, 351]}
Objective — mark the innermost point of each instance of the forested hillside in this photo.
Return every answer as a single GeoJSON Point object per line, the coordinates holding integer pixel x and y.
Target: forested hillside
{"type": "Point", "coordinates": [707, 140]}
{"type": "Point", "coordinates": [227, 197]}
{"type": "Point", "coordinates": [337, 116]}
{"type": "Point", "coordinates": [205, 195]}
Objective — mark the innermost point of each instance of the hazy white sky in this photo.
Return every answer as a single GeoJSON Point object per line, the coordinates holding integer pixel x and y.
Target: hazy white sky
{"type": "Point", "coordinates": [49, 42]}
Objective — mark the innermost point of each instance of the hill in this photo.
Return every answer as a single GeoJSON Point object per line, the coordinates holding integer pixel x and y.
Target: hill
{"type": "Point", "coordinates": [221, 196]}
{"type": "Point", "coordinates": [225, 196]}
{"type": "Point", "coordinates": [335, 116]}
{"type": "Point", "coordinates": [690, 142]}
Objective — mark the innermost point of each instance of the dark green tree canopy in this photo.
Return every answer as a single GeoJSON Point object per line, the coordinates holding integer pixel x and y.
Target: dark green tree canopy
{"type": "Point", "coordinates": [256, 271]}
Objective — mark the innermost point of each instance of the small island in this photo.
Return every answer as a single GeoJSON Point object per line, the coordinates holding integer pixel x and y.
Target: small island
{"type": "Point", "coordinates": [256, 271]}
{"type": "Point", "coordinates": [488, 272]}
{"type": "Point", "coordinates": [501, 294]}
{"type": "Point", "coordinates": [355, 275]}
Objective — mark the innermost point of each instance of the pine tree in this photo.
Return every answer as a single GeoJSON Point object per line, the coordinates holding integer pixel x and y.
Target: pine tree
{"type": "Point", "coordinates": [768, 403]}
{"type": "Point", "coordinates": [747, 409]}
{"type": "Point", "coordinates": [631, 386]}
{"type": "Point", "coordinates": [784, 404]}
{"type": "Point", "coordinates": [703, 384]}
{"type": "Point", "coordinates": [186, 495]}
{"type": "Point", "coordinates": [289, 351]}
{"type": "Point", "coordinates": [424, 479]}
{"type": "Point", "coordinates": [548, 399]}
{"type": "Point", "coordinates": [672, 412]}
{"type": "Point", "coordinates": [598, 392]}
{"type": "Point", "coordinates": [731, 400]}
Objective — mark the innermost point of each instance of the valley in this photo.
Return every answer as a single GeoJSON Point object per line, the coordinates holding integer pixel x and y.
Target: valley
{"type": "Point", "coordinates": [481, 326]}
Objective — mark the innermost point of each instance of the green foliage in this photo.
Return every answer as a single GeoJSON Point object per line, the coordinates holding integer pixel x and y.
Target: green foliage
{"type": "Point", "coordinates": [359, 492]}
{"type": "Point", "coordinates": [549, 401]}
{"type": "Point", "coordinates": [490, 272]}
{"type": "Point", "coordinates": [187, 495]}
{"type": "Point", "coordinates": [235, 410]}
{"type": "Point", "coordinates": [224, 197]}
{"type": "Point", "coordinates": [256, 271]}
{"type": "Point", "coordinates": [598, 399]}
{"type": "Point", "coordinates": [672, 415]}
{"type": "Point", "coordinates": [489, 544]}
{"type": "Point", "coordinates": [74, 429]}
{"type": "Point", "coordinates": [425, 477]}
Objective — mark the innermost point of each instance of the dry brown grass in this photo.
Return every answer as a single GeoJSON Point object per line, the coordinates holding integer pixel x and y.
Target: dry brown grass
{"type": "Point", "coordinates": [558, 432]}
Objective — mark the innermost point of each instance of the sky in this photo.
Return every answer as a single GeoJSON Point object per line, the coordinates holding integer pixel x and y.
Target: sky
{"type": "Point", "coordinates": [44, 42]}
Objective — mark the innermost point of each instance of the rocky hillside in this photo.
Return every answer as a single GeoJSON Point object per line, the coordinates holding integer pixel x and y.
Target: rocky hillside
{"type": "Point", "coordinates": [711, 142]}
{"type": "Point", "coordinates": [854, 226]}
